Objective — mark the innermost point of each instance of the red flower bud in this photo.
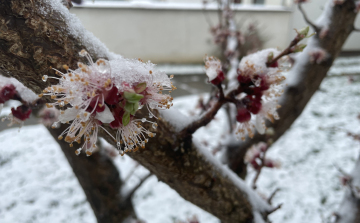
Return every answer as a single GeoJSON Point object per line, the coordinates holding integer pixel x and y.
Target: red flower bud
{"type": "Point", "coordinates": [243, 115]}
{"type": "Point", "coordinates": [254, 106]}
{"type": "Point", "coordinates": [7, 93]}
{"type": "Point", "coordinates": [111, 96]}
{"type": "Point", "coordinates": [220, 77]}
{"type": "Point", "coordinates": [22, 112]}
{"type": "Point", "coordinates": [275, 64]}
{"type": "Point", "coordinates": [244, 80]}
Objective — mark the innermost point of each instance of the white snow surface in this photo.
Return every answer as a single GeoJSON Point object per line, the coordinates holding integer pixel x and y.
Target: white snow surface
{"type": "Point", "coordinates": [38, 185]}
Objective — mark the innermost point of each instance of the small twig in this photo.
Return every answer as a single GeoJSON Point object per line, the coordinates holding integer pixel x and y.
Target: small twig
{"type": "Point", "coordinates": [315, 27]}
{"type": "Point", "coordinates": [349, 183]}
{"type": "Point", "coordinates": [210, 114]}
{"type": "Point", "coordinates": [229, 118]}
{"type": "Point", "coordinates": [341, 171]}
{"type": "Point", "coordinates": [262, 159]}
{"type": "Point", "coordinates": [132, 191]}
{"type": "Point", "coordinates": [221, 92]}
{"type": "Point", "coordinates": [269, 200]}
{"type": "Point", "coordinates": [285, 52]}
{"type": "Point", "coordinates": [131, 172]}
{"type": "Point", "coordinates": [275, 209]}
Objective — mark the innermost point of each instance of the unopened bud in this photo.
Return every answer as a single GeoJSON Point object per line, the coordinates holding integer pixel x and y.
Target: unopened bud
{"type": "Point", "coordinates": [298, 48]}
{"type": "Point", "coordinates": [270, 57]}
{"type": "Point", "coordinates": [303, 32]}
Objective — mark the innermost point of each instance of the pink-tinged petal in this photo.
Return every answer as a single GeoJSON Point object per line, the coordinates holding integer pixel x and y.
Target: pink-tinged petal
{"type": "Point", "coordinates": [105, 116]}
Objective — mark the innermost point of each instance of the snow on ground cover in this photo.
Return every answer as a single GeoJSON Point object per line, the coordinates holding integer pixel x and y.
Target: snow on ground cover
{"type": "Point", "coordinates": [37, 184]}
{"type": "Point", "coordinates": [345, 66]}
{"type": "Point", "coordinates": [309, 182]}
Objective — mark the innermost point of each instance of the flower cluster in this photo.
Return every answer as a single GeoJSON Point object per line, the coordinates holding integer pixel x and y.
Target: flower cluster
{"type": "Point", "coordinates": [255, 156]}
{"type": "Point", "coordinates": [19, 114]}
{"type": "Point", "coordinates": [260, 86]}
{"type": "Point", "coordinates": [108, 92]}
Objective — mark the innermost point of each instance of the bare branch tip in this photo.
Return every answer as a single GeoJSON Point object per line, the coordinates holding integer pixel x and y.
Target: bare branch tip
{"type": "Point", "coordinates": [307, 20]}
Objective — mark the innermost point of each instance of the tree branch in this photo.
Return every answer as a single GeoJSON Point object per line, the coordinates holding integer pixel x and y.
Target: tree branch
{"type": "Point", "coordinates": [31, 41]}
{"type": "Point", "coordinates": [309, 77]}
{"type": "Point", "coordinates": [142, 180]}
{"type": "Point", "coordinates": [210, 114]}
{"type": "Point", "coordinates": [308, 21]}
{"type": "Point", "coordinates": [100, 181]}
{"type": "Point", "coordinates": [269, 200]}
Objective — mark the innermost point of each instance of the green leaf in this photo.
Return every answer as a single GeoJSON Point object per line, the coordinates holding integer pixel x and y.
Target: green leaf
{"type": "Point", "coordinates": [129, 106]}
{"type": "Point", "coordinates": [140, 87]}
{"type": "Point", "coordinates": [126, 118]}
{"type": "Point", "coordinates": [132, 97]}
{"type": "Point", "coordinates": [136, 106]}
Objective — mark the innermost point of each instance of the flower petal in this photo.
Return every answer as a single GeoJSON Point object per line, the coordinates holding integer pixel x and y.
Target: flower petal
{"type": "Point", "coordinates": [69, 114]}
{"type": "Point", "coordinates": [105, 116]}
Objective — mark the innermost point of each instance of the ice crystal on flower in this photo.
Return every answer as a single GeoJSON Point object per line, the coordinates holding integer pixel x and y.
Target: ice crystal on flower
{"type": "Point", "coordinates": [108, 92]}
{"type": "Point", "coordinates": [261, 86]}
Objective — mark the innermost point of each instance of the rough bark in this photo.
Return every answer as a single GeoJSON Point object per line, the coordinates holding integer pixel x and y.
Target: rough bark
{"type": "Point", "coordinates": [297, 95]}
{"type": "Point", "coordinates": [31, 42]}
{"type": "Point", "coordinates": [100, 181]}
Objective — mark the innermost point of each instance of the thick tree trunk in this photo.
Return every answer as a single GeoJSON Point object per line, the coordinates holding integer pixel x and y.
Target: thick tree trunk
{"type": "Point", "coordinates": [309, 77]}
{"type": "Point", "coordinates": [31, 41]}
{"type": "Point", "coordinates": [101, 183]}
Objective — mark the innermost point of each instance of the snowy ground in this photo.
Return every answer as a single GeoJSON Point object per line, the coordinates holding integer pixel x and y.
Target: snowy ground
{"type": "Point", "coordinates": [37, 184]}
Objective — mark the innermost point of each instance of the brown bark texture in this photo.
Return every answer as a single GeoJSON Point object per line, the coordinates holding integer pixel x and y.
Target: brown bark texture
{"type": "Point", "coordinates": [101, 182]}
{"type": "Point", "coordinates": [296, 96]}
{"type": "Point", "coordinates": [31, 42]}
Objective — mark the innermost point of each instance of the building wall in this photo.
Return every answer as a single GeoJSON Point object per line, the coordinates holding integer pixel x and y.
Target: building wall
{"type": "Point", "coordinates": [179, 33]}
{"type": "Point", "coordinates": [174, 35]}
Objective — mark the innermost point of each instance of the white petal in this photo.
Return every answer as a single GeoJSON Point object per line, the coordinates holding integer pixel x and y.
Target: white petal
{"type": "Point", "coordinates": [211, 73]}
{"type": "Point", "coordinates": [69, 114]}
{"type": "Point", "coordinates": [1, 107]}
{"type": "Point", "coordinates": [105, 116]}
{"type": "Point", "coordinates": [260, 124]}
